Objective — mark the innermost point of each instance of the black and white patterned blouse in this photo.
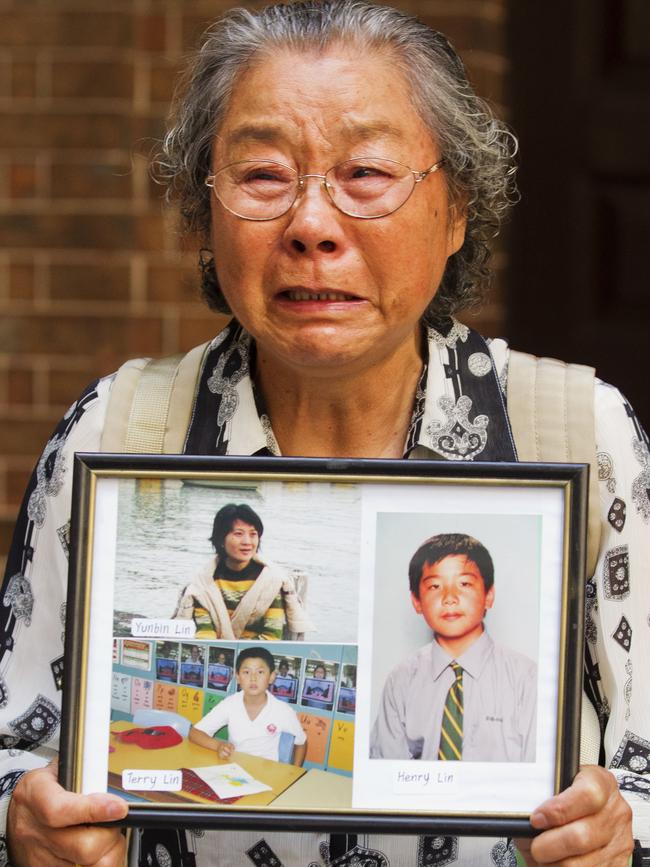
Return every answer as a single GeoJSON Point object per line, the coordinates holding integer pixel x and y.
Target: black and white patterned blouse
{"type": "Point", "coordinates": [459, 414]}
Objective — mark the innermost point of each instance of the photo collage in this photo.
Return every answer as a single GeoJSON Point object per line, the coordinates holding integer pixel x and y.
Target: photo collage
{"type": "Point", "coordinates": [228, 652]}
{"type": "Point", "coordinates": [269, 652]}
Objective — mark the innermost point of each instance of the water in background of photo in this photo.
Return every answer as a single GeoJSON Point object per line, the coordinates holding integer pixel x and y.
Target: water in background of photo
{"type": "Point", "coordinates": [309, 528]}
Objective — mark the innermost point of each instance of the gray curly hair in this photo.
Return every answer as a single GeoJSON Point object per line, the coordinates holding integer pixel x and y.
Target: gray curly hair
{"type": "Point", "coordinates": [478, 149]}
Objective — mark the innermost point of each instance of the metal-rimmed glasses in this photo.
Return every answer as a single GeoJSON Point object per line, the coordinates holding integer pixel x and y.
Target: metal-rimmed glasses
{"type": "Point", "coordinates": [364, 187]}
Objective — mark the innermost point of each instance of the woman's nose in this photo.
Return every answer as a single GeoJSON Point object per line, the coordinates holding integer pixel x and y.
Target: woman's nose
{"type": "Point", "coordinates": [314, 224]}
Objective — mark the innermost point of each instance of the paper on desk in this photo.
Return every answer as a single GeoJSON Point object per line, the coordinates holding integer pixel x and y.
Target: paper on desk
{"type": "Point", "coordinates": [230, 781]}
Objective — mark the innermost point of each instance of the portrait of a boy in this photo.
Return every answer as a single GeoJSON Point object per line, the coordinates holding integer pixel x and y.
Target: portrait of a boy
{"type": "Point", "coordinates": [256, 719]}
{"type": "Point", "coordinates": [463, 696]}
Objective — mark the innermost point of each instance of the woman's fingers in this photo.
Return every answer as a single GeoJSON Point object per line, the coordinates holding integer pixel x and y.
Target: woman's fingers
{"type": "Point", "coordinates": [88, 845]}
{"type": "Point", "coordinates": [587, 794]}
{"type": "Point", "coordinates": [587, 824]}
{"type": "Point", "coordinates": [40, 794]}
{"type": "Point", "coordinates": [114, 856]}
{"type": "Point", "coordinates": [46, 824]}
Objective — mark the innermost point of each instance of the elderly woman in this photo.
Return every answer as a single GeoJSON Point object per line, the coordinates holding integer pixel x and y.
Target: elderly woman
{"type": "Point", "coordinates": [237, 594]}
{"type": "Point", "coordinates": [345, 181]}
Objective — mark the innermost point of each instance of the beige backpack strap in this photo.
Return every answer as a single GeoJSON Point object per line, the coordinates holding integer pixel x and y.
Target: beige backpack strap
{"type": "Point", "coordinates": [150, 404]}
{"type": "Point", "coordinates": [551, 411]}
{"type": "Point", "coordinates": [119, 404]}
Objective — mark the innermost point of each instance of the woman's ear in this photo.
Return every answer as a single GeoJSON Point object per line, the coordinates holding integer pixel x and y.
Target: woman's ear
{"type": "Point", "coordinates": [457, 226]}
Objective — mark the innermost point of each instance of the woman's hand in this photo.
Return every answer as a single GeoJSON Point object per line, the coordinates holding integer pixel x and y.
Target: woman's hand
{"type": "Point", "coordinates": [587, 825]}
{"type": "Point", "coordinates": [46, 825]}
{"type": "Point", "coordinates": [225, 749]}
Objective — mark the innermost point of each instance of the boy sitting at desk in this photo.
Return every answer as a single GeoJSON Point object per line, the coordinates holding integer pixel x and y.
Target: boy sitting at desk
{"type": "Point", "coordinates": [463, 696]}
{"type": "Point", "coordinates": [255, 718]}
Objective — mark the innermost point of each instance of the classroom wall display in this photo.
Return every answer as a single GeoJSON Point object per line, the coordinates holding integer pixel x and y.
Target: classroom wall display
{"type": "Point", "coordinates": [342, 745]}
{"type": "Point", "coordinates": [167, 653]}
{"type": "Point", "coordinates": [121, 691]}
{"type": "Point", "coordinates": [136, 654]}
{"type": "Point", "coordinates": [221, 661]}
{"type": "Point", "coordinates": [192, 668]}
{"type": "Point", "coordinates": [316, 712]}
{"type": "Point", "coordinates": [190, 703]}
{"type": "Point", "coordinates": [141, 694]}
{"type": "Point", "coordinates": [165, 696]}
{"type": "Point", "coordinates": [281, 620]}
{"type": "Point", "coordinates": [219, 676]}
{"type": "Point", "coordinates": [287, 677]}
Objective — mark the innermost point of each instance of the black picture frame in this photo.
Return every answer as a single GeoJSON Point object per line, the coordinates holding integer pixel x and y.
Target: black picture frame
{"type": "Point", "coordinates": [387, 482]}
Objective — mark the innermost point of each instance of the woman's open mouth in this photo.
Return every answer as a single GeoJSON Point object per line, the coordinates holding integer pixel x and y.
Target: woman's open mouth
{"type": "Point", "coordinates": [325, 295]}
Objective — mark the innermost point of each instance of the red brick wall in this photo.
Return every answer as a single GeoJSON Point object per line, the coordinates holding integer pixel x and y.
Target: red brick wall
{"type": "Point", "coordinates": [90, 268]}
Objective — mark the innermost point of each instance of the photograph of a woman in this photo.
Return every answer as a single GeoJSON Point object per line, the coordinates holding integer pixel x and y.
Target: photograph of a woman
{"type": "Point", "coordinates": [237, 594]}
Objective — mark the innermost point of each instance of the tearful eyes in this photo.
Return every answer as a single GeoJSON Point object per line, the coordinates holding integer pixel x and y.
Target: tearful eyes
{"type": "Point", "coordinates": [366, 172]}
{"type": "Point", "coordinates": [267, 176]}
{"type": "Point", "coordinates": [343, 174]}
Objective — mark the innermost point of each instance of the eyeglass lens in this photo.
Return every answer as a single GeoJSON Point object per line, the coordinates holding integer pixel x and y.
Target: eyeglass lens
{"type": "Point", "coordinates": [263, 189]}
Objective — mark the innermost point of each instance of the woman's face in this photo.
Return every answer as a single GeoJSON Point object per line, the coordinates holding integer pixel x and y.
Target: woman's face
{"type": "Point", "coordinates": [241, 544]}
{"type": "Point", "coordinates": [320, 290]}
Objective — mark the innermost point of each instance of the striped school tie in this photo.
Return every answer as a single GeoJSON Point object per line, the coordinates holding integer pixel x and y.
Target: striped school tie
{"type": "Point", "coordinates": [451, 732]}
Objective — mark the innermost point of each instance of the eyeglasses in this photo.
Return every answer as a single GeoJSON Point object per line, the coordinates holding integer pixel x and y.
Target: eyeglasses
{"type": "Point", "coordinates": [365, 187]}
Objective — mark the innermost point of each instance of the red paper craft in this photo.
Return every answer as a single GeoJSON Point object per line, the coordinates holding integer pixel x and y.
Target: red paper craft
{"type": "Point", "coordinates": [151, 738]}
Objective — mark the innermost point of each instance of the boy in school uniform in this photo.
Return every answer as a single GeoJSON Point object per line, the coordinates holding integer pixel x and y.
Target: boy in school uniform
{"type": "Point", "coordinates": [255, 718]}
{"type": "Point", "coordinates": [463, 696]}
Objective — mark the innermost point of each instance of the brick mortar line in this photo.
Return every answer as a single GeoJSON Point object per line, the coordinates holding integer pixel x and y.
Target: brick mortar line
{"type": "Point", "coordinates": [79, 106]}
{"type": "Point", "coordinates": [9, 511]}
{"type": "Point", "coordinates": [72, 5]}
{"type": "Point", "coordinates": [9, 462]}
{"type": "Point", "coordinates": [98, 309]}
{"type": "Point", "coordinates": [56, 364]}
{"type": "Point", "coordinates": [78, 256]}
{"type": "Point", "coordinates": [33, 412]}
{"type": "Point", "coordinates": [62, 53]}
{"type": "Point", "coordinates": [4, 276]}
{"type": "Point", "coordinates": [40, 380]}
{"type": "Point", "coordinates": [41, 278]}
{"type": "Point", "coordinates": [119, 206]}
{"type": "Point", "coordinates": [72, 155]}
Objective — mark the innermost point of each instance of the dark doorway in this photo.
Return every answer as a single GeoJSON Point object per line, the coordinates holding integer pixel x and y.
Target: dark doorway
{"type": "Point", "coordinates": [579, 286]}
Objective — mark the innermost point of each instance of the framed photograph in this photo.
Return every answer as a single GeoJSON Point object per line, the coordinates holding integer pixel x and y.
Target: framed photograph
{"type": "Point", "coordinates": [389, 646]}
{"type": "Point", "coordinates": [285, 688]}
{"type": "Point", "coordinates": [347, 700]}
{"type": "Point", "coordinates": [219, 676]}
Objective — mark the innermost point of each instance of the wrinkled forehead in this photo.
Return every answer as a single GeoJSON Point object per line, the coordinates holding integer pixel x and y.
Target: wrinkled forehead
{"type": "Point", "coordinates": [274, 131]}
{"type": "Point", "coordinates": [280, 94]}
